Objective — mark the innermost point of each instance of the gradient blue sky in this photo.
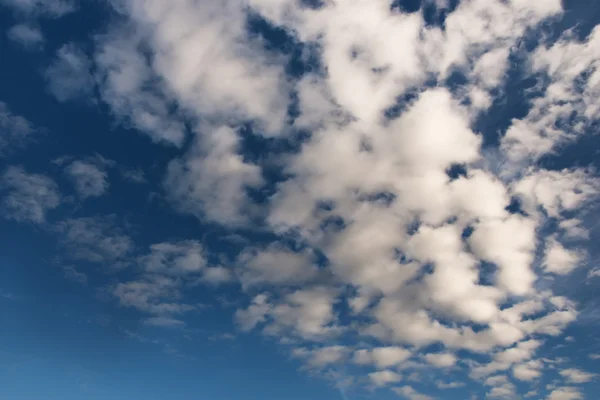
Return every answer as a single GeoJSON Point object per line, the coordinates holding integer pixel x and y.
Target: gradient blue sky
{"type": "Point", "coordinates": [295, 199]}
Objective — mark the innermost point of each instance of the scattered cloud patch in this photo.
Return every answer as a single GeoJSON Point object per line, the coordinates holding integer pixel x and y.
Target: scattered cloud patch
{"type": "Point", "coordinates": [15, 131]}
{"type": "Point", "coordinates": [69, 77]}
{"type": "Point", "coordinates": [28, 36]}
{"type": "Point", "coordinates": [27, 197]}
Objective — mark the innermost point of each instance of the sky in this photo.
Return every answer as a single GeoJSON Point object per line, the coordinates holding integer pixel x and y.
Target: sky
{"type": "Point", "coordinates": [299, 199]}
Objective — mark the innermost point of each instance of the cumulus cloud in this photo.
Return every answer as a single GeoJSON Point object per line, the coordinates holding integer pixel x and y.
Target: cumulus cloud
{"type": "Point", "coordinates": [154, 295]}
{"type": "Point", "coordinates": [89, 176]}
{"type": "Point", "coordinates": [45, 8]}
{"type": "Point", "coordinates": [95, 239]}
{"type": "Point", "coordinates": [211, 181]}
{"type": "Point", "coordinates": [69, 76]}
{"type": "Point", "coordinates": [385, 377]}
{"type": "Point", "coordinates": [382, 357]}
{"type": "Point", "coordinates": [380, 210]}
{"type": "Point", "coordinates": [28, 36]}
{"type": "Point", "coordinates": [15, 131]}
{"type": "Point", "coordinates": [410, 393]}
{"type": "Point", "coordinates": [575, 375]}
{"type": "Point", "coordinates": [565, 393]}
{"type": "Point", "coordinates": [441, 360]}
{"type": "Point", "coordinates": [27, 196]}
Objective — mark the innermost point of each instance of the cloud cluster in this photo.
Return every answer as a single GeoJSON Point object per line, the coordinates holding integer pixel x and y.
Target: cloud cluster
{"type": "Point", "coordinates": [27, 196]}
{"type": "Point", "coordinates": [380, 215]}
{"type": "Point", "coordinates": [15, 131]}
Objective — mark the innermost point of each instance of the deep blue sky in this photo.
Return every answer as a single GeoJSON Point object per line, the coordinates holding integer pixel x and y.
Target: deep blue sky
{"type": "Point", "coordinates": [151, 196]}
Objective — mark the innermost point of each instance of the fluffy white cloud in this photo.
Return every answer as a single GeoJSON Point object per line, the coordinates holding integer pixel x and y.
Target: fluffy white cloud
{"type": "Point", "coordinates": [28, 36]}
{"type": "Point", "coordinates": [323, 356]}
{"type": "Point", "coordinates": [441, 360]}
{"type": "Point", "coordinates": [90, 176]}
{"type": "Point", "coordinates": [367, 230]}
{"type": "Point", "coordinates": [155, 295]}
{"type": "Point", "coordinates": [178, 258]}
{"type": "Point", "coordinates": [210, 182]}
{"type": "Point", "coordinates": [276, 265]}
{"type": "Point", "coordinates": [528, 371]}
{"type": "Point", "coordinates": [559, 260]}
{"type": "Point", "coordinates": [95, 239]}
{"type": "Point", "coordinates": [47, 8]}
{"type": "Point", "coordinates": [27, 197]}
{"type": "Point", "coordinates": [573, 84]}
{"type": "Point", "coordinates": [565, 393]}
{"type": "Point", "coordinates": [382, 357]}
{"type": "Point", "coordinates": [385, 377]}
{"type": "Point", "coordinates": [15, 131]}
{"type": "Point", "coordinates": [411, 394]}
{"type": "Point", "coordinates": [575, 375]}
{"type": "Point", "coordinates": [69, 76]}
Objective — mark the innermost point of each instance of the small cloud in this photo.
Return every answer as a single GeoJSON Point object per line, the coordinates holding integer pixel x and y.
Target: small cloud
{"type": "Point", "coordinates": [217, 275]}
{"type": "Point", "coordinates": [411, 394]}
{"type": "Point", "coordinates": [385, 377]}
{"type": "Point", "coordinates": [449, 385]}
{"type": "Point", "coordinates": [42, 8]}
{"type": "Point", "coordinates": [95, 239]}
{"type": "Point", "coordinates": [28, 36]}
{"type": "Point", "coordinates": [575, 375]}
{"type": "Point", "coordinates": [27, 197]}
{"type": "Point", "coordinates": [565, 393]}
{"type": "Point", "coordinates": [16, 131]}
{"type": "Point", "coordinates": [134, 175]}
{"type": "Point", "coordinates": [69, 77]}
{"type": "Point", "coordinates": [164, 322]}
{"type": "Point", "coordinates": [74, 275]}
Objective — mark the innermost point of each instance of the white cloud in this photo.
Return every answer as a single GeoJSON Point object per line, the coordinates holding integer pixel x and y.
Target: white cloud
{"type": "Point", "coordinates": [89, 177]}
{"type": "Point", "coordinates": [384, 378]}
{"type": "Point", "coordinates": [254, 314]}
{"type": "Point", "coordinates": [125, 83]}
{"type": "Point", "coordinates": [47, 8]}
{"type": "Point", "coordinates": [74, 275]}
{"type": "Point", "coordinates": [134, 175]}
{"type": "Point", "coordinates": [419, 257]}
{"type": "Point", "coordinates": [69, 77]}
{"type": "Point", "coordinates": [210, 181]}
{"type": "Point", "coordinates": [382, 357]}
{"type": "Point", "coordinates": [154, 295]}
{"type": "Point", "coordinates": [575, 375]}
{"type": "Point", "coordinates": [441, 360]}
{"type": "Point", "coordinates": [449, 385]}
{"type": "Point", "coordinates": [565, 393]}
{"type": "Point", "coordinates": [564, 63]}
{"type": "Point", "coordinates": [27, 197]}
{"type": "Point", "coordinates": [559, 260]}
{"type": "Point", "coordinates": [276, 265]}
{"type": "Point", "coordinates": [164, 322]}
{"type": "Point", "coordinates": [528, 371]}
{"type": "Point", "coordinates": [95, 239]}
{"type": "Point", "coordinates": [323, 356]}
{"type": "Point", "coordinates": [174, 258]}
{"type": "Point", "coordinates": [15, 131]}
{"type": "Point", "coordinates": [411, 394]}
{"type": "Point", "coordinates": [28, 36]}
{"type": "Point", "coordinates": [217, 275]}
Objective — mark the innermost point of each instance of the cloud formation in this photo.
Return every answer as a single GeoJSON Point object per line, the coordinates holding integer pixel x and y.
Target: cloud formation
{"type": "Point", "coordinates": [381, 227]}
{"type": "Point", "coordinates": [27, 196]}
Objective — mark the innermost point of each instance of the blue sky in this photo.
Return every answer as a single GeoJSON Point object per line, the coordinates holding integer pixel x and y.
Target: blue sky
{"type": "Point", "coordinates": [266, 199]}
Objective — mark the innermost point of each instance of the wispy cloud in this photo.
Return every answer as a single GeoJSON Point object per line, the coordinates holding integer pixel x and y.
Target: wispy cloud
{"type": "Point", "coordinates": [28, 36]}
{"type": "Point", "coordinates": [26, 196]}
